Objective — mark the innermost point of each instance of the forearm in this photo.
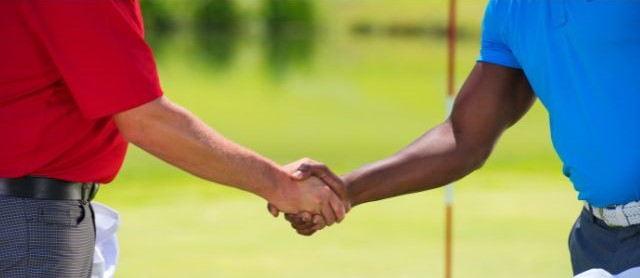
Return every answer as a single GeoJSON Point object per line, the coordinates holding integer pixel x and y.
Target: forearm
{"type": "Point", "coordinates": [491, 99]}
{"type": "Point", "coordinates": [435, 159]}
{"type": "Point", "coordinates": [181, 139]}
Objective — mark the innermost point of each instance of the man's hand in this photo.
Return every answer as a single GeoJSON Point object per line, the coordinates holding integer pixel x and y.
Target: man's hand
{"type": "Point", "coordinates": [492, 99]}
{"type": "Point", "coordinates": [308, 195]}
{"type": "Point", "coordinates": [173, 134]}
{"type": "Point", "coordinates": [306, 223]}
{"type": "Point", "coordinates": [306, 168]}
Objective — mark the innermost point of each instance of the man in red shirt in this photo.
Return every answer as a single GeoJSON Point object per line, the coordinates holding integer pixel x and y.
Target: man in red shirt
{"type": "Point", "coordinates": [77, 82]}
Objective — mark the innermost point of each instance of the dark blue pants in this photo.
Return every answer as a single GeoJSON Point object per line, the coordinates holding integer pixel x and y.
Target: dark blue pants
{"type": "Point", "coordinates": [593, 244]}
{"type": "Point", "coordinates": [45, 238]}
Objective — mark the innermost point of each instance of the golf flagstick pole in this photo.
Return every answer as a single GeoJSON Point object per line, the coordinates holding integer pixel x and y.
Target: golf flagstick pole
{"type": "Point", "coordinates": [451, 43]}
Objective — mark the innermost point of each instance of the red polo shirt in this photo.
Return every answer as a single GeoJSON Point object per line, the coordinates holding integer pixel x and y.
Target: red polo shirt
{"type": "Point", "coordinates": [65, 68]}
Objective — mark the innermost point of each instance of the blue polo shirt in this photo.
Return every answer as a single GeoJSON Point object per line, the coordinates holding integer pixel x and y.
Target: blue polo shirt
{"type": "Point", "coordinates": [582, 59]}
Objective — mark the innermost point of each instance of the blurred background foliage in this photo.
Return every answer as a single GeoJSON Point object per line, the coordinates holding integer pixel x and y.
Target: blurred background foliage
{"type": "Point", "coordinates": [288, 28]}
{"type": "Point", "coordinates": [346, 82]}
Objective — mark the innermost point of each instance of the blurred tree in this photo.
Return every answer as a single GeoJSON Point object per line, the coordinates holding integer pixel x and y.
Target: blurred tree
{"type": "Point", "coordinates": [159, 22]}
{"type": "Point", "coordinates": [290, 34]}
{"type": "Point", "coordinates": [217, 16]}
{"type": "Point", "coordinates": [157, 16]}
{"type": "Point", "coordinates": [284, 16]}
{"type": "Point", "coordinates": [217, 26]}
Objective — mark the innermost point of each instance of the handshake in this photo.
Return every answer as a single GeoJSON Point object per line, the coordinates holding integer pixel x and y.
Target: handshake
{"type": "Point", "coordinates": [314, 198]}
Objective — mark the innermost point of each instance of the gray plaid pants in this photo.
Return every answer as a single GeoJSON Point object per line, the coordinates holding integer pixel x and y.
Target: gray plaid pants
{"type": "Point", "coordinates": [45, 238]}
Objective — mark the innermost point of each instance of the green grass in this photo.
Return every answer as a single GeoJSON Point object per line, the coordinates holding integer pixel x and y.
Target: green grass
{"type": "Point", "coordinates": [360, 99]}
{"type": "Point", "coordinates": [505, 224]}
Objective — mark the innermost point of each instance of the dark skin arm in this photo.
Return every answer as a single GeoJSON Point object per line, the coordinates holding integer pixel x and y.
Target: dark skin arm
{"type": "Point", "coordinates": [492, 99]}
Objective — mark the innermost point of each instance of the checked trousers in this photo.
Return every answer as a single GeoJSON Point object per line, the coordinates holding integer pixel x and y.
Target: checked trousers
{"type": "Point", "coordinates": [46, 238]}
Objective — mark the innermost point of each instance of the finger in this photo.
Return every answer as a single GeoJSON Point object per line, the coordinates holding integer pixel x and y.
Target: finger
{"type": "Point", "coordinates": [299, 175]}
{"type": "Point", "coordinates": [299, 223]}
{"type": "Point", "coordinates": [306, 216]}
{"type": "Point", "coordinates": [328, 177]}
{"type": "Point", "coordinates": [318, 223]}
{"type": "Point", "coordinates": [293, 218]}
{"type": "Point", "coordinates": [338, 207]}
{"type": "Point", "coordinates": [303, 225]}
{"type": "Point", "coordinates": [327, 214]}
{"type": "Point", "coordinates": [298, 217]}
{"type": "Point", "coordinates": [273, 210]}
{"type": "Point", "coordinates": [294, 169]}
{"type": "Point", "coordinates": [308, 167]}
{"type": "Point", "coordinates": [307, 232]}
{"type": "Point", "coordinates": [304, 170]}
{"type": "Point", "coordinates": [304, 221]}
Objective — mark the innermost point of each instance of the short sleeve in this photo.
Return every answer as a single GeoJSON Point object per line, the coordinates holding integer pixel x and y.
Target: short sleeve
{"type": "Point", "coordinates": [493, 47]}
{"type": "Point", "coordinates": [99, 49]}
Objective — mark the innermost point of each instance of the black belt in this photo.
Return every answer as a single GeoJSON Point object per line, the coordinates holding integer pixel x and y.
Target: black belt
{"type": "Point", "coordinates": [47, 188]}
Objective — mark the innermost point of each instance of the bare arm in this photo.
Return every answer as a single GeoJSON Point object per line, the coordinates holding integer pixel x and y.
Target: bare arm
{"type": "Point", "coordinates": [176, 136]}
{"type": "Point", "coordinates": [492, 99]}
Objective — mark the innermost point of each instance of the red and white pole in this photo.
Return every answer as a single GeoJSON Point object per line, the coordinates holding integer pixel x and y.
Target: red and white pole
{"type": "Point", "coordinates": [451, 53]}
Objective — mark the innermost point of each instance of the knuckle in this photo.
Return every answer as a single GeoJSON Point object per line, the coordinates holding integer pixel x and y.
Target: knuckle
{"type": "Point", "coordinates": [304, 233]}
{"type": "Point", "coordinates": [303, 166]}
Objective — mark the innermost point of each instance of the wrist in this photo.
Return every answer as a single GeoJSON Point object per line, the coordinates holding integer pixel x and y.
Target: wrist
{"type": "Point", "coordinates": [268, 188]}
{"type": "Point", "coordinates": [352, 194]}
{"type": "Point", "coordinates": [275, 178]}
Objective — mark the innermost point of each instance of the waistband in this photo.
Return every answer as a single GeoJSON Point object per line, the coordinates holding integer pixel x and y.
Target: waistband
{"type": "Point", "coordinates": [47, 188]}
{"type": "Point", "coordinates": [617, 216]}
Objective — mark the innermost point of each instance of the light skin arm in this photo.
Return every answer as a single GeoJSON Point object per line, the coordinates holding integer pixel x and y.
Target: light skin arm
{"type": "Point", "coordinates": [176, 136]}
{"type": "Point", "coordinates": [492, 99]}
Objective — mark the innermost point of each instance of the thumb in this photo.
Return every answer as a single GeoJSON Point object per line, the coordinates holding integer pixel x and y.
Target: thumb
{"type": "Point", "coordinates": [303, 172]}
{"type": "Point", "coordinates": [299, 170]}
{"type": "Point", "coordinates": [273, 210]}
{"type": "Point", "coordinates": [332, 180]}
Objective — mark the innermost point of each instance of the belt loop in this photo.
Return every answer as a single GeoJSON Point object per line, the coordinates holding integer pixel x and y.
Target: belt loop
{"type": "Point", "coordinates": [590, 210]}
{"type": "Point", "coordinates": [594, 218]}
{"type": "Point", "coordinates": [93, 191]}
{"type": "Point", "coordinates": [85, 191]}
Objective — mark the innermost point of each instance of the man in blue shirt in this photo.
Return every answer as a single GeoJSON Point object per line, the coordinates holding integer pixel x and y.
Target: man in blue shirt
{"type": "Point", "coordinates": [581, 59]}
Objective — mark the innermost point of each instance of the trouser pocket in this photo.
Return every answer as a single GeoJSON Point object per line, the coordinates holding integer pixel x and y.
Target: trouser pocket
{"type": "Point", "coordinates": [65, 213]}
{"type": "Point", "coordinates": [61, 239]}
